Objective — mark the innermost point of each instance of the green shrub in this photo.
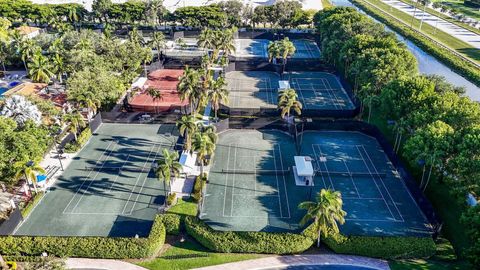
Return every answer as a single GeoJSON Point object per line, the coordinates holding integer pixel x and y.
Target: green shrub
{"type": "Point", "coordinates": [171, 198]}
{"type": "Point", "coordinates": [90, 247]}
{"type": "Point", "coordinates": [31, 204]}
{"type": "Point", "coordinates": [382, 247]}
{"type": "Point", "coordinates": [198, 187]}
{"type": "Point", "coordinates": [246, 242]}
{"type": "Point", "coordinates": [82, 139]}
{"type": "Point", "coordinates": [172, 223]}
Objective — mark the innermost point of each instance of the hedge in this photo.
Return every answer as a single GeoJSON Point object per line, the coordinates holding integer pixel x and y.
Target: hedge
{"type": "Point", "coordinates": [90, 247]}
{"type": "Point", "coordinates": [82, 139]}
{"type": "Point", "coordinates": [198, 187]}
{"type": "Point", "coordinates": [246, 242]}
{"type": "Point", "coordinates": [172, 223]}
{"type": "Point", "coordinates": [32, 203]}
{"type": "Point", "coordinates": [468, 70]}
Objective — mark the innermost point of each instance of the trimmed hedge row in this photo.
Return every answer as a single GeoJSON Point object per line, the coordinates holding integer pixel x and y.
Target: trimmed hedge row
{"type": "Point", "coordinates": [246, 242]}
{"type": "Point", "coordinates": [172, 223]}
{"type": "Point", "coordinates": [200, 182]}
{"type": "Point", "coordinates": [82, 139]}
{"type": "Point", "coordinates": [470, 71]}
{"type": "Point", "coordinates": [90, 247]}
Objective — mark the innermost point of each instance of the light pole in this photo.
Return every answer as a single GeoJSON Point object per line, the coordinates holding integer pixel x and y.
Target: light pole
{"type": "Point", "coordinates": [59, 151]}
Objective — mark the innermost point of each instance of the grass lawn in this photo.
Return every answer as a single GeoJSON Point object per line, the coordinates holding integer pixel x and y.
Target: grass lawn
{"type": "Point", "coordinates": [443, 16]}
{"type": "Point", "coordinates": [428, 264]}
{"type": "Point", "coordinates": [467, 10]}
{"type": "Point", "coordinates": [190, 254]}
{"type": "Point", "coordinates": [184, 207]}
{"type": "Point", "coordinates": [459, 46]}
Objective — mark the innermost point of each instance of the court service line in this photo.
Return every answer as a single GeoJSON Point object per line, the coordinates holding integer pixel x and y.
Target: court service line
{"type": "Point", "coordinates": [87, 177]}
{"type": "Point", "coordinates": [351, 178]}
{"type": "Point", "coordinates": [383, 183]}
{"type": "Point", "coordinates": [276, 177]}
{"type": "Point", "coordinates": [138, 178]}
{"type": "Point", "coordinates": [226, 180]}
{"type": "Point", "coordinates": [144, 181]}
{"type": "Point", "coordinates": [374, 181]}
{"type": "Point", "coordinates": [317, 159]}
{"type": "Point", "coordinates": [325, 165]}
{"type": "Point", "coordinates": [118, 174]}
{"type": "Point", "coordinates": [284, 183]}
{"type": "Point", "coordinates": [94, 179]}
{"type": "Point", "coordinates": [233, 184]}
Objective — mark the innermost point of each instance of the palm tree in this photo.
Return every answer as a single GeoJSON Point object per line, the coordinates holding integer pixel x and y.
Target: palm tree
{"type": "Point", "coordinates": [218, 93]}
{"type": "Point", "coordinates": [273, 50]}
{"type": "Point", "coordinates": [188, 86]}
{"type": "Point", "coordinates": [287, 101]}
{"type": "Point", "coordinates": [158, 42]}
{"type": "Point", "coordinates": [58, 67]}
{"type": "Point", "coordinates": [27, 48]}
{"type": "Point", "coordinates": [204, 146]}
{"type": "Point", "coordinates": [168, 167]}
{"type": "Point", "coordinates": [227, 41]}
{"type": "Point", "coordinates": [73, 15]}
{"type": "Point", "coordinates": [187, 127]}
{"type": "Point", "coordinates": [4, 54]}
{"type": "Point", "coordinates": [326, 212]}
{"type": "Point", "coordinates": [75, 121]}
{"type": "Point", "coordinates": [39, 69]}
{"type": "Point", "coordinates": [211, 132]}
{"type": "Point", "coordinates": [29, 170]}
{"type": "Point", "coordinates": [281, 49]}
{"type": "Point", "coordinates": [87, 100]}
{"type": "Point", "coordinates": [155, 94]}
{"type": "Point", "coordinates": [206, 39]}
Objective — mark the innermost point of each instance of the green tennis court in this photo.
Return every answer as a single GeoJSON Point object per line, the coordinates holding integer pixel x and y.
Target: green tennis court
{"type": "Point", "coordinates": [252, 187]}
{"type": "Point", "coordinates": [258, 48]}
{"type": "Point", "coordinates": [252, 89]}
{"type": "Point", "coordinates": [109, 189]}
{"type": "Point", "coordinates": [320, 91]}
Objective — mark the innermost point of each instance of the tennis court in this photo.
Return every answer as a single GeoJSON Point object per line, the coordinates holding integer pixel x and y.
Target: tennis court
{"type": "Point", "coordinates": [109, 189]}
{"type": "Point", "coordinates": [252, 186]}
{"type": "Point", "coordinates": [258, 48]}
{"type": "Point", "coordinates": [320, 91]}
{"type": "Point", "coordinates": [252, 89]}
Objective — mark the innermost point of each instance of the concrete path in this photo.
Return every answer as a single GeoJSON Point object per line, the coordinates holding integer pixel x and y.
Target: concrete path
{"type": "Point", "coordinates": [456, 31]}
{"type": "Point", "coordinates": [100, 264]}
{"type": "Point", "coordinates": [283, 261]}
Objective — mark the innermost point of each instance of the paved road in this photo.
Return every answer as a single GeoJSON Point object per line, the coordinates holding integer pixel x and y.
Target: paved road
{"type": "Point", "coordinates": [100, 264]}
{"type": "Point", "coordinates": [447, 27]}
{"type": "Point", "coordinates": [282, 262]}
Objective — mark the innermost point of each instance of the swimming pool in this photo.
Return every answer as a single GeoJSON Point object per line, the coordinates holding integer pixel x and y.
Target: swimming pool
{"type": "Point", "coordinates": [3, 90]}
{"type": "Point", "coordinates": [322, 267]}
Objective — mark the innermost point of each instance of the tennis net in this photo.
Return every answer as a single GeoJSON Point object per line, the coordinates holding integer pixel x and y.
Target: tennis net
{"type": "Point", "coordinates": [350, 174]}
{"type": "Point", "coordinates": [258, 172]}
{"type": "Point", "coordinates": [255, 90]}
{"type": "Point", "coordinates": [117, 169]}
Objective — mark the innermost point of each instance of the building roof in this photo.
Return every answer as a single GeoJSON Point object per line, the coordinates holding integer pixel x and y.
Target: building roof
{"type": "Point", "coordinates": [27, 30]}
{"type": "Point", "coordinates": [25, 89]}
{"type": "Point", "coordinates": [58, 97]}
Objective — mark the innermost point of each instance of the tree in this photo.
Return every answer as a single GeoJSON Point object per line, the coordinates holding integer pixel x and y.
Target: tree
{"type": "Point", "coordinates": [58, 67]}
{"type": "Point", "coordinates": [4, 54]}
{"type": "Point", "coordinates": [29, 170]}
{"type": "Point", "coordinates": [155, 11]}
{"type": "Point", "coordinates": [75, 121]}
{"type": "Point", "coordinates": [188, 87]}
{"type": "Point", "coordinates": [158, 43]}
{"type": "Point", "coordinates": [27, 48]}
{"type": "Point", "coordinates": [187, 127]}
{"type": "Point", "coordinates": [168, 168]}
{"type": "Point", "coordinates": [155, 94]}
{"type": "Point", "coordinates": [282, 49]}
{"type": "Point", "coordinates": [87, 100]}
{"type": "Point", "coordinates": [101, 9]}
{"type": "Point", "coordinates": [326, 212]}
{"type": "Point", "coordinates": [204, 146]}
{"type": "Point", "coordinates": [218, 93]}
{"type": "Point", "coordinates": [287, 102]}
{"type": "Point", "coordinates": [39, 69]}
{"type": "Point", "coordinates": [21, 110]}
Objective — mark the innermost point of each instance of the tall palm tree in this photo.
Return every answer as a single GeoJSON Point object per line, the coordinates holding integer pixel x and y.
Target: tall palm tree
{"type": "Point", "coordinates": [188, 86]}
{"type": "Point", "coordinates": [27, 48]}
{"type": "Point", "coordinates": [58, 66]}
{"type": "Point", "coordinates": [204, 146]}
{"type": "Point", "coordinates": [273, 50]}
{"type": "Point", "coordinates": [73, 15]}
{"type": "Point", "coordinates": [326, 212]}
{"type": "Point", "coordinates": [155, 94]}
{"type": "Point", "coordinates": [75, 121]}
{"type": "Point", "coordinates": [206, 39]}
{"type": "Point", "coordinates": [29, 170]}
{"type": "Point", "coordinates": [281, 49]}
{"type": "Point", "coordinates": [158, 42]}
{"type": "Point", "coordinates": [287, 101]}
{"type": "Point", "coordinates": [187, 127]}
{"type": "Point", "coordinates": [218, 93]}
{"type": "Point", "coordinates": [168, 167]}
{"type": "Point", "coordinates": [87, 100]}
{"type": "Point", "coordinates": [4, 54]}
{"type": "Point", "coordinates": [39, 69]}
{"type": "Point", "coordinates": [211, 132]}
{"type": "Point", "coordinates": [227, 41]}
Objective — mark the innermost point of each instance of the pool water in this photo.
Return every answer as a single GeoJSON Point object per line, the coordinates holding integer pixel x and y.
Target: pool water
{"type": "Point", "coordinates": [3, 90]}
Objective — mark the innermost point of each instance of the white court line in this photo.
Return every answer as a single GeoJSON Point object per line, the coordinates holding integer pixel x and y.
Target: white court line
{"type": "Point", "coordinates": [373, 220]}
{"type": "Point", "coordinates": [284, 183]}
{"type": "Point", "coordinates": [118, 174]}
{"type": "Point", "coordinates": [144, 181]}
{"type": "Point", "coordinates": [93, 179]}
{"type": "Point", "coordinates": [378, 188]}
{"type": "Point", "coordinates": [295, 82]}
{"type": "Point", "coordinates": [226, 180]}
{"type": "Point", "coordinates": [325, 165]}
{"type": "Point", "coordinates": [351, 178]}
{"type": "Point", "coordinates": [381, 179]}
{"type": "Point", "coordinates": [86, 178]}
{"type": "Point", "coordinates": [138, 178]}
{"type": "Point", "coordinates": [317, 160]}
{"type": "Point", "coordinates": [278, 184]}
{"type": "Point", "coordinates": [233, 184]}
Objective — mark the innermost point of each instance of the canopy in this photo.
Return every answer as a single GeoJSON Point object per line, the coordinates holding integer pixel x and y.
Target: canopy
{"type": "Point", "coordinates": [283, 85]}
{"type": "Point", "coordinates": [303, 165]}
{"type": "Point", "coordinates": [41, 178]}
{"type": "Point", "coordinates": [188, 160]}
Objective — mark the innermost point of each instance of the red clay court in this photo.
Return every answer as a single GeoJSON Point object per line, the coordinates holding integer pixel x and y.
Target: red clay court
{"type": "Point", "coordinates": [166, 81]}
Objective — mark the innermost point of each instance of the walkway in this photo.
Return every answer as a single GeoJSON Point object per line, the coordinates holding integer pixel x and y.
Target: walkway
{"type": "Point", "coordinates": [100, 264]}
{"type": "Point", "coordinates": [454, 30]}
{"type": "Point", "coordinates": [283, 261]}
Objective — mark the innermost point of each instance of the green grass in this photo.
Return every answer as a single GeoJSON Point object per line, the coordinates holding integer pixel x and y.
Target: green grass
{"type": "Point", "coordinates": [443, 16]}
{"type": "Point", "coordinates": [467, 10]}
{"type": "Point", "coordinates": [184, 208]}
{"type": "Point", "coordinates": [459, 46]}
{"type": "Point", "coordinates": [190, 254]}
{"type": "Point", "coordinates": [421, 264]}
